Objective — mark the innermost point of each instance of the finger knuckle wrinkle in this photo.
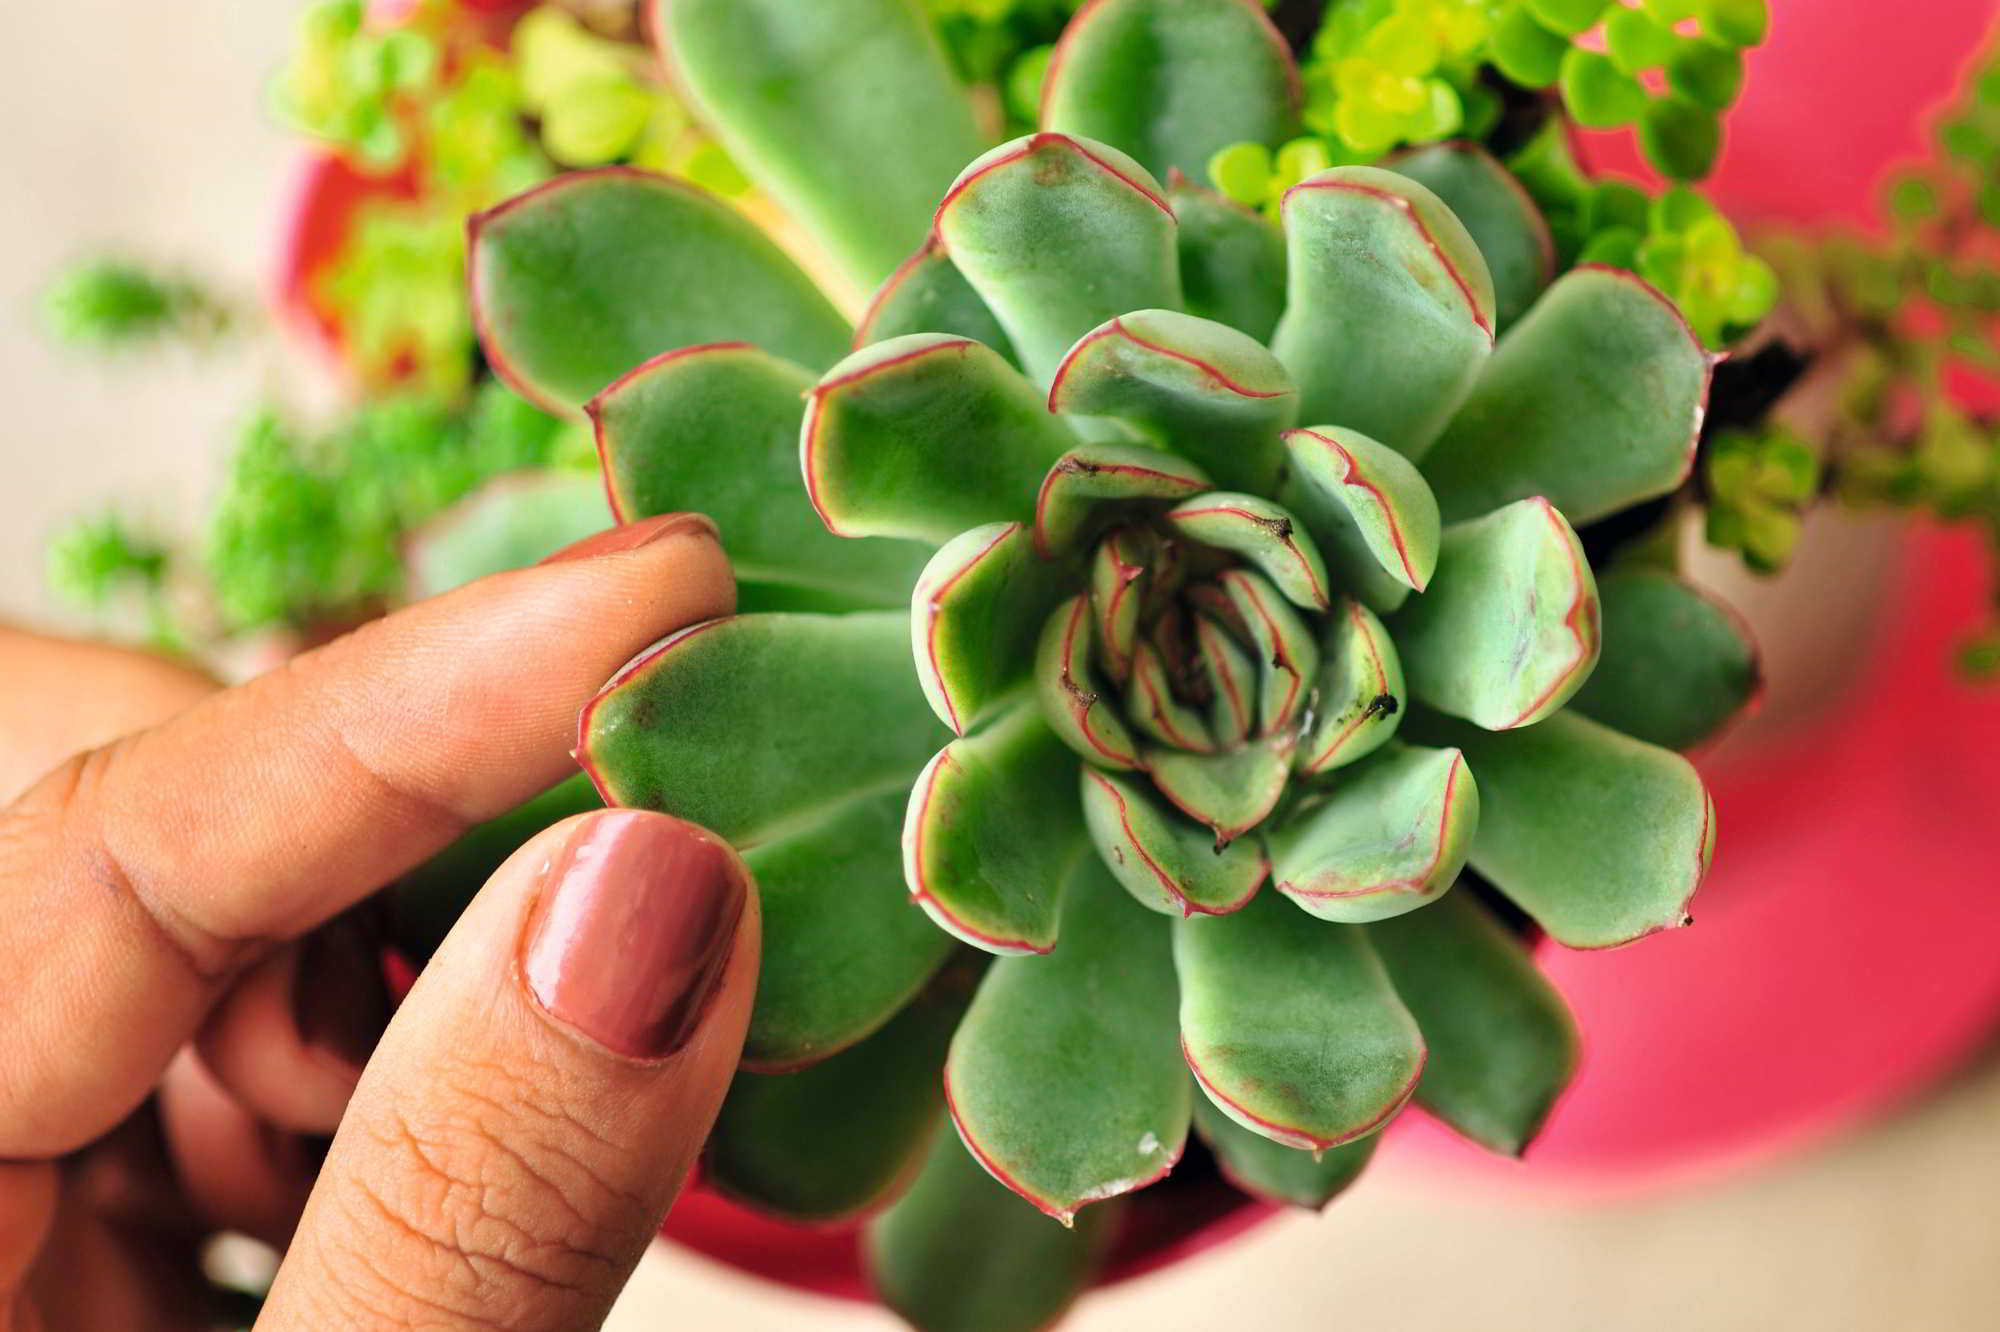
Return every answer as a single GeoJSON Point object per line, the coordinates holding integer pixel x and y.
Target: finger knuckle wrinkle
{"type": "Point", "coordinates": [413, 806]}
{"type": "Point", "coordinates": [58, 828]}
{"type": "Point", "coordinates": [494, 1203]}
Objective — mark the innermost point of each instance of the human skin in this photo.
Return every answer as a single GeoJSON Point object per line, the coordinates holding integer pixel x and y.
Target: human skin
{"type": "Point", "coordinates": [194, 1000]}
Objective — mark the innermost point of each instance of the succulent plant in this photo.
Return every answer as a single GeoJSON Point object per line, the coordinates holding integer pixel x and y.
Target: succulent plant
{"type": "Point", "coordinates": [1173, 605]}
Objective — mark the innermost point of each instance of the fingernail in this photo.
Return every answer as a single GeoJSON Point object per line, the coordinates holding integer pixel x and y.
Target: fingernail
{"type": "Point", "coordinates": [339, 995]}
{"type": "Point", "coordinates": [633, 930]}
{"type": "Point", "coordinates": [631, 536]}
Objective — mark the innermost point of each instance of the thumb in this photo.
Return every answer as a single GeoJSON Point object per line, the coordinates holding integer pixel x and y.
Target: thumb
{"type": "Point", "coordinates": [538, 1099]}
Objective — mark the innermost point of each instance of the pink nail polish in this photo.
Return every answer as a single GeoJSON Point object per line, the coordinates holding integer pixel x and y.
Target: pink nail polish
{"type": "Point", "coordinates": [632, 536]}
{"type": "Point", "coordinates": [633, 930]}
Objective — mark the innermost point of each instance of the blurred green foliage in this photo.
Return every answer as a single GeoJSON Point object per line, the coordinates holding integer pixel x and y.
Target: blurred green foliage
{"type": "Point", "coordinates": [1900, 409]}
{"type": "Point", "coordinates": [452, 124]}
{"type": "Point", "coordinates": [119, 305]}
{"type": "Point", "coordinates": [1381, 75]}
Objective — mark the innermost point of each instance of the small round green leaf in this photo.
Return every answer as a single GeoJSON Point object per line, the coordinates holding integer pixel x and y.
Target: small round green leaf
{"type": "Point", "coordinates": [1598, 93]}
{"type": "Point", "coordinates": [1681, 137]}
{"type": "Point", "coordinates": [1706, 73]}
{"type": "Point", "coordinates": [1089, 486]}
{"type": "Point", "coordinates": [1073, 698]}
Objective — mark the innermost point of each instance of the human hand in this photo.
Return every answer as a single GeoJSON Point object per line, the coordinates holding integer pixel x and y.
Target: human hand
{"type": "Point", "coordinates": [534, 1104]}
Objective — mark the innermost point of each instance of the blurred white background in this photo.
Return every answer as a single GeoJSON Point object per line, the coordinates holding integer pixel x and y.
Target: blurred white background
{"type": "Point", "coordinates": [140, 126]}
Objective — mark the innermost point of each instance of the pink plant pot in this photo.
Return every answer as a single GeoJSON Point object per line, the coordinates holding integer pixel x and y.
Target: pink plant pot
{"type": "Point", "coordinates": [325, 195]}
{"type": "Point", "coordinates": [1159, 1227]}
{"type": "Point", "coordinates": [1846, 953]}
{"type": "Point", "coordinates": [1846, 947]}
{"type": "Point", "coordinates": [328, 191]}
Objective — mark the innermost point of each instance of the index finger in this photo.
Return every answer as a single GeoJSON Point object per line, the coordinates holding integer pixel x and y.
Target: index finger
{"type": "Point", "coordinates": [142, 876]}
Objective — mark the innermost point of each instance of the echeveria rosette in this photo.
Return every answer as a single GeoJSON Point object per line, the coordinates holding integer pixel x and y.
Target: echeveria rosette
{"type": "Point", "coordinates": [1197, 599]}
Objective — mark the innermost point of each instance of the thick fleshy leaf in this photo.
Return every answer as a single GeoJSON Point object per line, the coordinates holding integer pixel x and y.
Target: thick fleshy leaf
{"type": "Point", "coordinates": [1593, 401]}
{"type": "Point", "coordinates": [975, 616]}
{"type": "Point", "coordinates": [960, 1253]}
{"type": "Point", "coordinates": [716, 429]}
{"type": "Point", "coordinates": [843, 947]}
{"type": "Point", "coordinates": [798, 95]}
{"type": "Point", "coordinates": [1232, 260]}
{"type": "Point", "coordinates": [577, 281]}
{"type": "Point", "coordinates": [1503, 221]}
{"type": "Point", "coordinates": [1151, 705]}
{"type": "Point", "coordinates": [924, 436]}
{"type": "Point", "coordinates": [1287, 652]}
{"type": "Point", "coordinates": [1274, 1172]}
{"type": "Point", "coordinates": [1291, 1025]}
{"type": "Point", "coordinates": [1074, 699]}
{"type": "Point", "coordinates": [509, 523]}
{"type": "Point", "coordinates": [1388, 838]}
{"type": "Point", "coordinates": [1503, 1045]}
{"type": "Point", "coordinates": [1389, 347]}
{"type": "Point", "coordinates": [1058, 235]}
{"type": "Point", "coordinates": [1091, 485]}
{"type": "Point", "coordinates": [770, 1147]}
{"type": "Point", "coordinates": [1369, 511]}
{"type": "Point", "coordinates": [1118, 585]}
{"type": "Point", "coordinates": [1509, 630]}
{"type": "Point", "coordinates": [992, 828]}
{"type": "Point", "coordinates": [1230, 792]}
{"type": "Point", "coordinates": [1172, 82]}
{"type": "Point", "coordinates": [1261, 532]}
{"type": "Point", "coordinates": [1164, 861]}
{"type": "Point", "coordinates": [1360, 700]}
{"type": "Point", "coordinates": [1677, 664]}
{"type": "Point", "coordinates": [1603, 839]}
{"type": "Point", "coordinates": [1196, 387]}
{"type": "Point", "coordinates": [929, 295]}
{"type": "Point", "coordinates": [1063, 1078]}
{"type": "Point", "coordinates": [1232, 682]}
{"type": "Point", "coordinates": [692, 726]}
{"type": "Point", "coordinates": [425, 901]}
